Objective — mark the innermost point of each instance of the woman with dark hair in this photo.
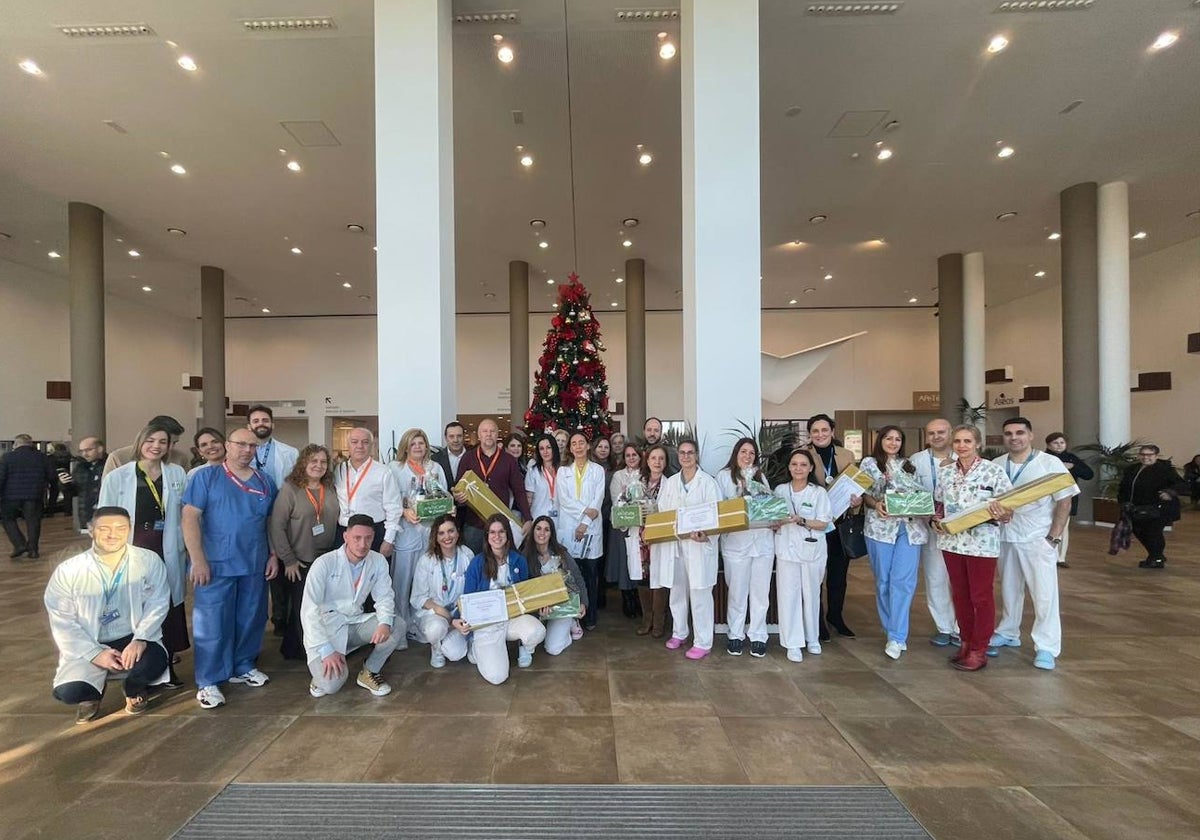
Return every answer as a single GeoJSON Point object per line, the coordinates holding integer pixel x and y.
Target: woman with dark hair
{"type": "Point", "coordinates": [542, 475]}
{"type": "Point", "coordinates": [658, 560]}
{"type": "Point", "coordinates": [617, 558]}
{"type": "Point", "coordinates": [514, 445]}
{"type": "Point", "coordinates": [579, 497]}
{"type": "Point", "coordinates": [893, 542]}
{"type": "Point", "coordinates": [800, 549]}
{"type": "Point", "coordinates": [831, 460]}
{"type": "Point", "coordinates": [438, 582]}
{"type": "Point", "coordinates": [301, 528]}
{"type": "Point", "coordinates": [151, 490]}
{"type": "Point", "coordinates": [209, 444]}
{"type": "Point", "coordinates": [1147, 495]}
{"type": "Point", "coordinates": [1056, 444]}
{"type": "Point", "coordinates": [748, 556]}
{"type": "Point", "coordinates": [545, 555]}
{"type": "Point", "coordinates": [496, 567]}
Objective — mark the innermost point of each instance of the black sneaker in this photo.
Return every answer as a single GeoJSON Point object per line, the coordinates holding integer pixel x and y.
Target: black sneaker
{"type": "Point", "coordinates": [758, 648]}
{"type": "Point", "coordinates": [1152, 563]}
{"type": "Point", "coordinates": [734, 647]}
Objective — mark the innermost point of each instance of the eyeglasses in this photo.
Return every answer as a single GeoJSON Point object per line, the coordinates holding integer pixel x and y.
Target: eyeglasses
{"type": "Point", "coordinates": [241, 445]}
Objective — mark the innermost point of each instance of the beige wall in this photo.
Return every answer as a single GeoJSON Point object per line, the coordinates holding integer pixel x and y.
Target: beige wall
{"type": "Point", "coordinates": [1026, 334]}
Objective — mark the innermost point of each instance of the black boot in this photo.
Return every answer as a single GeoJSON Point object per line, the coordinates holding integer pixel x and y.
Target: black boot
{"type": "Point", "coordinates": [628, 603]}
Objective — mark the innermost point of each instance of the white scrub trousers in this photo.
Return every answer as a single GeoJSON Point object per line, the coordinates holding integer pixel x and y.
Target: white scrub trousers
{"type": "Point", "coordinates": [937, 588]}
{"type": "Point", "coordinates": [490, 645]}
{"type": "Point", "coordinates": [701, 603]}
{"type": "Point", "coordinates": [798, 590]}
{"type": "Point", "coordinates": [1033, 564]}
{"type": "Point", "coordinates": [747, 578]}
{"type": "Point", "coordinates": [438, 632]}
{"type": "Point", "coordinates": [558, 635]}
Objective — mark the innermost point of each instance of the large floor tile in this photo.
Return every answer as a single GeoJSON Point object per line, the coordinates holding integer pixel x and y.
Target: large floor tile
{"type": "Point", "coordinates": [642, 693]}
{"type": "Point", "coordinates": [1150, 748]}
{"type": "Point", "coordinates": [795, 751]}
{"type": "Point", "coordinates": [995, 813]}
{"type": "Point", "coordinates": [1120, 813]}
{"type": "Point", "coordinates": [321, 749]}
{"type": "Point", "coordinates": [919, 751]}
{"type": "Point", "coordinates": [457, 690]}
{"type": "Point", "coordinates": [675, 751]}
{"type": "Point", "coordinates": [556, 750]}
{"type": "Point", "coordinates": [438, 748]}
{"type": "Point", "coordinates": [562, 693]}
{"type": "Point", "coordinates": [738, 695]}
{"type": "Point", "coordinates": [948, 692]}
{"type": "Point", "coordinates": [854, 694]}
{"type": "Point", "coordinates": [118, 811]}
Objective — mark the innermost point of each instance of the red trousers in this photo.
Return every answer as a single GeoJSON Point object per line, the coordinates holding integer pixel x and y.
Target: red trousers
{"type": "Point", "coordinates": [972, 582]}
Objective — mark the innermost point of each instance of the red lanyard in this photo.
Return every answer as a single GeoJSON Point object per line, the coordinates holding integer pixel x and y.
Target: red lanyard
{"type": "Point", "coordinates": [318, 506]}
{"type": "Point", "coordinates": [351, 491]}
{"type": "Point", "coordinates": [245, 487]}
{"type": "Point", "coordinates": [487, 471]}
{"type": "Point", "coordinates": [551, 479]}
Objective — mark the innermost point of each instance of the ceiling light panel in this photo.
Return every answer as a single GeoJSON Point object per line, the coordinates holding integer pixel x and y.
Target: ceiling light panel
{"type": "Point", "coordinates": [288, 25]}
{"type": "Point", "coordinates": [852, 9]}
{"type": "Point", "coordinates": [311, 133]}
{"type": "Point", "coordinates": [105, 30]}
{"type": "Point", "coordinates": [499, 16]}
{"type": "Point", "coordinates": [644, 15]}
{"type": "Point", "coordinates": [1043, 6]}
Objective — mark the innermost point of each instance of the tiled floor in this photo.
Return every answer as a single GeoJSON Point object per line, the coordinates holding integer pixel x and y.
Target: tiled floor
{"type": "Point", "coordinates": [1107, 746]}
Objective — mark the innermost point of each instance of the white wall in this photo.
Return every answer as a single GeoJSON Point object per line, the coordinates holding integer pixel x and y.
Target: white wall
{"type": "Point", "coordinates": [1026, 333]}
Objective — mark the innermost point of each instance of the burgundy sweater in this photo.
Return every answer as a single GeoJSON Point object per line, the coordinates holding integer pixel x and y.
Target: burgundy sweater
{"type": "Point", "coordinates": [505, 479]}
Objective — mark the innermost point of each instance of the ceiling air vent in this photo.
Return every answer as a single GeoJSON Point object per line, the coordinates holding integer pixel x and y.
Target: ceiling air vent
{"type": "Point", "coordinates": [852, 9]}
{"type": "Point", "coordinates": [1043, 6]}
{"type": "Point", "coordinates": [502, 16]}
{"type": "Point", "coordinates": [106, 30]}
{"type": "Point", "coordinates": [646, 15]}
{"type": "Point", "coordinates": [283, 25]}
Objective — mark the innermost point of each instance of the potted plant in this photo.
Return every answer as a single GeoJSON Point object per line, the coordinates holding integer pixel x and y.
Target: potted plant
{"type": "Point", "coordinates": [1110, 463]}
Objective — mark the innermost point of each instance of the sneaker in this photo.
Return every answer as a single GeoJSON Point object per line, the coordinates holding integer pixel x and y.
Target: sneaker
{"type": "Point", "coordinates": [956, 640]}
{"type": "Point", "coordinates": [437, 659]}
{"type": "Point", "coordinates": [796, 654]}
{"type": "Point", "coordinates": [697, 652]}
{"type": "Point", "coordinates": [576, 630]}
{"type": "Point", "coordinates": [315, 690]}
{"type": "Point", "coordinates": [471, 653]}
{"type": "Point", "coordinates": [734, 647]}
{"type": "Point", "coordinates": [210, 697]}
{"type": "Point", "coordinates": [892, 649]}
{"type": "Point", "coordinates": [814, 648]}
{"type": "Point", "coordinates": [758, 649]}
{"type": "Point", "coordinates": [1148, 563]}
{"type": "Point", "coordinates": [524, 657]}
{"type": "Point", "coordinates": [992, 651]}
{"type": "Point", "coordinates": [940, 639]}
{"type": "Point", "coordinates": [253, 677]}
{"type": "Point", "coordinates": [373, 683]}
{"type": "Point", "coordinates": [86, 711]}
{"type": "Point", "coordinates": [1044, 659]}
{"type": "Point", "coordinates": [674, 643]}
{"type": "Point", "coordinates": [136, 705]}
{"type": "Point", "coordinates": [1063, 564]}
{"type": "Point", "coordinates": [999, 641]}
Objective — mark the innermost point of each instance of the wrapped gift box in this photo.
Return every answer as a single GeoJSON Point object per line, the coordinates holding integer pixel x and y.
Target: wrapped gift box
{"type": "Point", "coordinates": [912, 503]}
{"type": "Point", "coordinates": [627, 516]}
{"type": "Point", "coordinates": [567, 609]}
{"type": "Point", "coordinates": [481, 499]}
{"type": "Point", "coordinates": [431, 508]}
{"type": "Point", "coordinates": [531, 595]}
{"type": "Point", "coordinates": [764, 511]}
{"type": "Point", "coordinates": [731, 516]}
{"type": "Point", "coordinates": [977, 514]}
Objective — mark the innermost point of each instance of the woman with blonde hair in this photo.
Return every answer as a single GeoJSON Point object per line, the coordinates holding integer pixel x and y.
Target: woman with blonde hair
{"type": "Point", "coordinates": [415, 473]}
{"type": "Point", "coordinates": [301, 528]}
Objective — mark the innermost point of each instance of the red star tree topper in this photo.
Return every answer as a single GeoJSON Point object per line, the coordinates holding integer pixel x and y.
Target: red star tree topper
{"type": "Point", "coordinates": [569, 389]}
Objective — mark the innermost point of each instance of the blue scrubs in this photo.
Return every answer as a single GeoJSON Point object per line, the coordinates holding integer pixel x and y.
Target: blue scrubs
{"type": "Point", "coordinates": [230, 613]}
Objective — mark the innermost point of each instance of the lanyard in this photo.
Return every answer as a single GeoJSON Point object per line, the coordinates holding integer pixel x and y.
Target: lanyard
{"type": "Point", "coordinates": [356, 579]}
{"type": "Point", "coordinates": [350, 491]}
{"type": "Point", "coordinates": [162, 508]}
{"type": "Point", "coordinates": [446, 577]}
{"type": "Point", "coordinates": [110, 591]}
{"type": "Point", "coordinates": [260, 457]}
{"type": "Point", "coordinates": [792, 498]}
{"type": "Point", "coordinates": [830, 464]}
{"type": "Point", "coordinates": [318, 506]}
{"type": "Point", "coordinates": [933, 468]}
{"type": "Point", "coordinates": [487, 471]}
{"type": "Point", "coordinates": [551, 478]}
{"type": "Point", "coordinates": [1008, 468]}
{"type": "Point", "coordinates": [579, 480]}
{"type": "Point", "coordinates": [416, 468]}
{"type": "Point", "coordinates": [245, 487]}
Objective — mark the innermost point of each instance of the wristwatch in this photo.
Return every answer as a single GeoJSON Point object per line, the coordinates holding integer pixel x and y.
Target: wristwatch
{"type": "Point", "coordinates": [1054, 541]}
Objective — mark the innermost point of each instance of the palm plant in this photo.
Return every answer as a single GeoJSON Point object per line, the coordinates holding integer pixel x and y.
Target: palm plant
{"type": "Point", "coordinates": [1111, 462]}
{"type": "Point", "coordinates": [972, 415]}
{"type": "Point", "coordinates": [775, 442]}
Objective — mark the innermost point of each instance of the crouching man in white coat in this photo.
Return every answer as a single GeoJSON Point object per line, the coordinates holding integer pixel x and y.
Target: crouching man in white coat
{"type": "Point", "coordinates": [332, 612]}
{"type": "Point", "coordinates": [106, 609]}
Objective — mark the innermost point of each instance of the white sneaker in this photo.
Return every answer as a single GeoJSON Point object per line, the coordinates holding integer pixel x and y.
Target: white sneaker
{"type": "Point", "coordinates": [210, 697]}
{"type": "Point", "coordinates": [892, 649]}
{"type": "Point", "coordinates": [437, 659]}
{"type": "Point", "coordinates": [524, 657]}
{"type": "Point", "coordinates": [315, 690]}
{"type": "Point", "coordinates": [253, 677]}
{"type": "Point", "coordinates": [471, 653]}
{"type": "Point", "coordinates": [814, 648]}
{"type": "Point", "coordinates": [903, 645]}
{"type": "Point", "coordinates": [795, 655]}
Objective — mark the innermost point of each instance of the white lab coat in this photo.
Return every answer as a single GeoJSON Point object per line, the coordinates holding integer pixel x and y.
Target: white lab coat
{"type": "Point", "coordinates": [754, 542]}
{"type": "Point", "coordinates": [699, 558]}
{"type": "Point", "coordinates": [427, 583]}
{"type": "Point", "coordinates": [281, 461]}
{"type": "Point", "coordinates": [331, 604]}
{"type": "Point", "coordinates": [791, 541]}
{"type": "Point", "coordinates": [75, 600]}
{"type": "Point", "coordinates": [120, 488]}
{"type": "Point", "coordinates": [571, 506]}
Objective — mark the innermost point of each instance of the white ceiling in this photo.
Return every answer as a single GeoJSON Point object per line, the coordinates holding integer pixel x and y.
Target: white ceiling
{"type": "Point", "coordinates": [925, 66]}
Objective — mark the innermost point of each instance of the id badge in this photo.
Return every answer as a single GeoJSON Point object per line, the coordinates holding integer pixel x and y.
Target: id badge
{"type": "Point", "coordinates": [553, 515]}
{"type": "Point", "coordinates": [110, 616]}
{"type": "Point", "coordinates": [318, 529]}
{"type": "Point", "coordinates": [160, 525]}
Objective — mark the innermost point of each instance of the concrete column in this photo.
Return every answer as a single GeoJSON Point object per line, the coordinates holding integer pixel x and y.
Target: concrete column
{"type": "Point", "coordinates": [1113, 311]}
{"type": "Point", "coordinates": [635, 345]}
{"type": "Point", "coordinates": [950, 334]}
{"type": "Point", "coordinates": [85, 233]}
{"type": "Point", "coordinates": [974, 326]}
{"type": "Point", "coordinates": [212, 345]}
{"type": "Point", "coordinates": [719, 62]}
{"type": "Point", "coordinates": [518, 334]}
{"type": "Point", "coordinates": [1078, 207]}
{"type": "Point", "coordinates": [414, 217]}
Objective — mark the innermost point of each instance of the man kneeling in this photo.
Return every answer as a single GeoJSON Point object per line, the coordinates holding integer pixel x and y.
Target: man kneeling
{"type": "Point", "coordinates": [332, 612]}
{"type": "Point", "coordinates": [106, 608]}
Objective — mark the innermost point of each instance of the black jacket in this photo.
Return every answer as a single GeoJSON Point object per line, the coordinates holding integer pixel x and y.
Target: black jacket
{"type": "Point", "coordinates": [1141, 486]}
{"type": "Point", "coordinates": [1080, 471]}
{"type": "Point", "coordinates": [87, 476]}
{"type": "Point", "coordinates": [26, 475]}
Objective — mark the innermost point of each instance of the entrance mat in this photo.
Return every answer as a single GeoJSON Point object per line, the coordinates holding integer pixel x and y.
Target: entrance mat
{"type": "Point", "coordinates": [553, 812]}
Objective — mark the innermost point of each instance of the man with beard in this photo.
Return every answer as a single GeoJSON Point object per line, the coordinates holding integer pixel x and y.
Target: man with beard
{"type": "Point", "coordinates": [653, 432]}
{"type": "Point", "coordinates": [276, 459]}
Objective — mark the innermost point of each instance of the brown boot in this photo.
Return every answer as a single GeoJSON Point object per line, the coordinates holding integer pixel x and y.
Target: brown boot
{"type": "Point", "coordinates": [659, 600]}
{"type": "Point", "coordinates": [646, 598]}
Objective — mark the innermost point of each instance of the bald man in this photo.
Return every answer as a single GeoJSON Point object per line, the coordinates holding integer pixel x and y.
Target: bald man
{"type": "Point", "coordinates": [501, 472]}
{"type": "Point", "coordinates": [933, 567]}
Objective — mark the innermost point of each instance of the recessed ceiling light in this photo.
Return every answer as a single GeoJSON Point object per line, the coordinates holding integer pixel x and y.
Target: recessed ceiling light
{"type": "Point", "coordinates": [666, 50]}
{"type": "Point", "coordinates": [375, 248]}
{"type": "Point", "coordinates": [147, 289]}
{"type": "Point", "coordinates": [171, 44]}
{"type": "Point", "coordinates": [134, 253]}
{"type": "Point", "coordinates": [30, 67]}
{"type": "Point", "coordinates": [346, 286]}
{"type": "Point", "coordinates": [1141, 234]}
{"type": "Point", "coordinates": [364, 297]}
{"type": "Point", "coordinates": [627, 243]}
{"type": "Point", "coordinates": [178, 169]}
{"type": "Point", "coordinates": [1005, 152]}
{"type": "Point", "coordinates": [620, 279]}
{"type": "Point", "coordinates": [164, 154]}
{"type": "Point", "coordinates": [817, 219]}
{"type": "Point", "coordinates": [614, 303]}
{"type": "Point", "coordinates": [828, 276]}
{"type": "Point", "coordinates": [1039, 274]}
{"type": "Point", "coordinates": [505, 54]}
{"type": "Point", "coordinates": [543, 244]}
{"type": "Point", "coordinates": [266, 311]}
{"type": "Point", "coordinates": [1006, 215]}
{"type": "Point", "coordinates": [1055, 236]}
{"type": "Point", "coordinates": [549, 281]}
{"type": "Point", "coordinates": [489, 295]}
{"type": "Point", "coordinates": [283, 151]}
{"type": "Point", "coordinates": [296, 251]}
{"type": "Point", "coordinates": [177, 231]}
{"type": "Point", "coordinates": [526, 160]}
{"type": "Point", "coordinates": [884, 153]}
{"type": "Point", "coordinates": [645, 158]}
{"type": "Point", "coordinates": [554, 306]}
{"type": "Point", "coordinates": [912, 300]}
{"type": "Point", "coordinates": [294, 165]}
{"type": "Point", "coordinates": [1195, 214]}
{"type": "Point", "coordinates": [1165, 40]}
{"type": "Point", "coordinates": [54, 255]}
{"type": "Point", "coordinates": [4, 235]}
{"type": "Point", "coordinates": [187, 63]}
{"type": "Point", "coordinates": [792, 302]}
{"type": "Point", "coordinates": [497, 37]}
{"type": "Point", "coordinates": [353, 228]}
{"type": "Point", "coordinates": [537, 224]}
{"type": "Point", "coordinates": [242, 299]}
{"type": "Point", "coordinates": [809, 290]}
{"type": "Point", "coordinates": [630, 222]}
{"type": "Point", "coordinates": [997, 44]}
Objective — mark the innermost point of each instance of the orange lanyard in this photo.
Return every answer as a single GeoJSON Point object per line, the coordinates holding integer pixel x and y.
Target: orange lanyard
{"type": "Point", "coordinates": [416, 468]}
{"type": "Point", "coordinates": [487, 471]}
{"type": "Point", "coordinates": [551, 479]}
{"type": "Point", "coordinates": [351, 491]}
{"type": "Point", "coordinates": [317, 506]}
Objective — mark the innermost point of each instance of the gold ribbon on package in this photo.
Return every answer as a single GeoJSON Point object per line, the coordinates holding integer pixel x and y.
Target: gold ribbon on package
{"type": "Point", "coordinates": [731, 516]}
{"type": "Point", "coordinates": [1026, 494]}
{"type": "Point", "coordinates": [481, 499]}
{"type": "Point", "coordinates": [529, 596]}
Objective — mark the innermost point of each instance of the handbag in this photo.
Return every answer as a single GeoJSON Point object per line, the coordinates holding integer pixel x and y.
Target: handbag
{"type": "Point", "coordinates": [850, 530]}
{"type": "Point", "coordinates": [1145, 513]}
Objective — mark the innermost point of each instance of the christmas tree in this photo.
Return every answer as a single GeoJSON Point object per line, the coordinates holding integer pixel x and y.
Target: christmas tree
{"type": "Point", "coordinates": [569, 389]}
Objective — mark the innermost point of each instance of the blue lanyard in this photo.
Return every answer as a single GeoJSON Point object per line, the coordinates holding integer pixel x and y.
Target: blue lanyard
{"type": "Point", "coordinates": [933, 468]}
{"type": "Point", "coordinates": [1008, 465]}
{"type": "Point", "coordinates": [110, 591]}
